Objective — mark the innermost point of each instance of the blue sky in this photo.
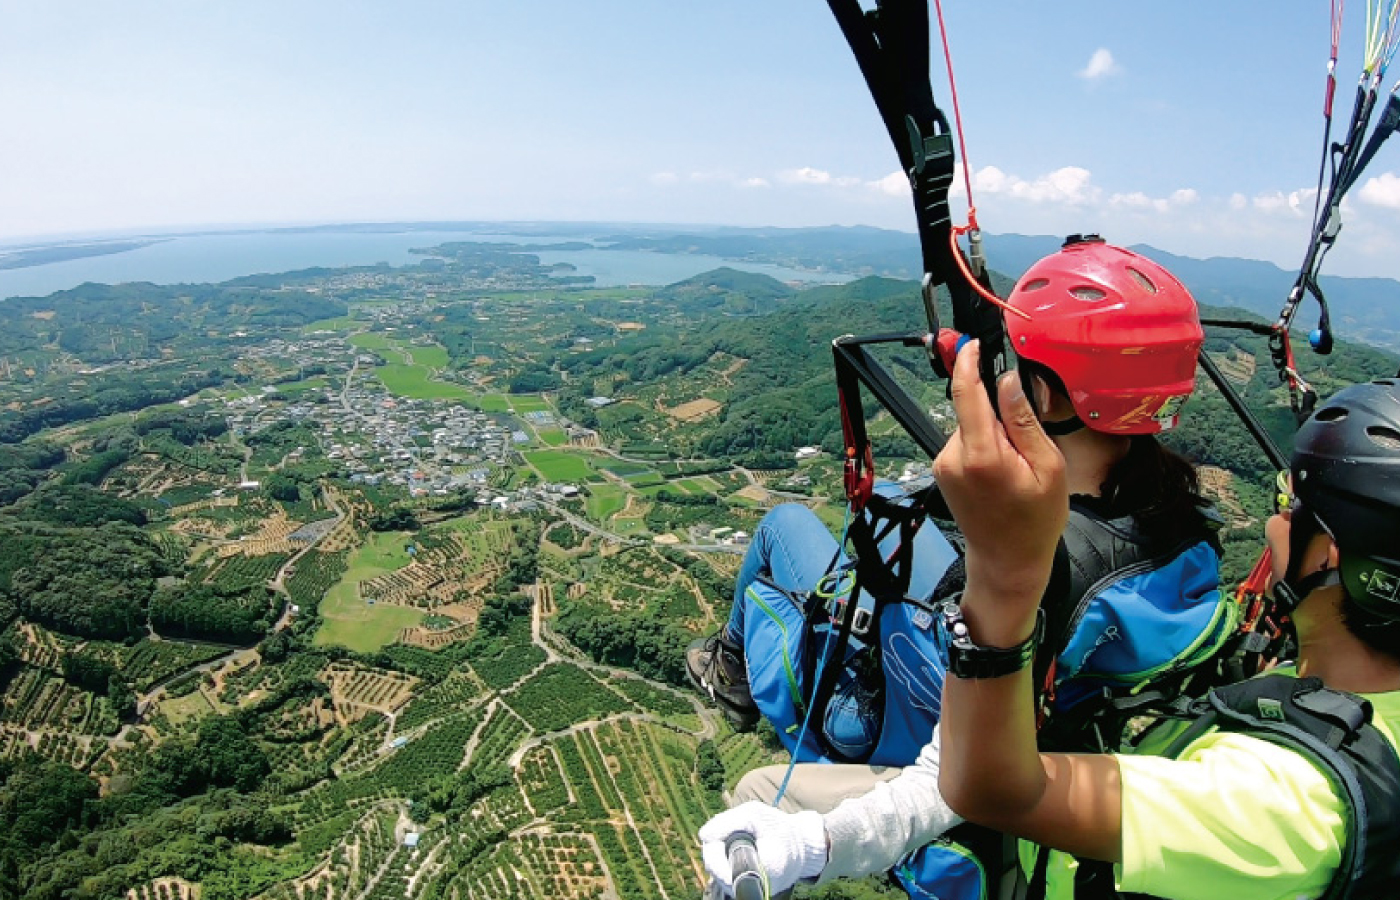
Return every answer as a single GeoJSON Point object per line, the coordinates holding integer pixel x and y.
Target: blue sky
{"type": "Point", "coordinates": [1197, 129]}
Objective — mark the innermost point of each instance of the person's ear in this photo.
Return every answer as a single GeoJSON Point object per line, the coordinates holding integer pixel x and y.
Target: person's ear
{"type": "Point", "coordinates": [1334, 556]}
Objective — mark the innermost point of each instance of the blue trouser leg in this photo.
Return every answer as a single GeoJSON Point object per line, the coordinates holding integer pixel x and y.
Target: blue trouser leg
{"type": "Point", "coordinates": [792, 547]}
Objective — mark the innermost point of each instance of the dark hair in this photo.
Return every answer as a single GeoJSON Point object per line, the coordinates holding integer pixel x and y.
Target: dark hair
{"type": "Point", "coordinates": [1155, 485]}
{"type": "Point", "coordinates": [1381, 635]}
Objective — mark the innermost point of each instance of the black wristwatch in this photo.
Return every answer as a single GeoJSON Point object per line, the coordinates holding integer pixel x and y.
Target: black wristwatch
{"type": "Point", "coordinates": [967, 660]}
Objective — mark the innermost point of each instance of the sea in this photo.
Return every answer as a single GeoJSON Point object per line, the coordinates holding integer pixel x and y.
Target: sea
{"type": "Point", "coordinates": [219, 256]}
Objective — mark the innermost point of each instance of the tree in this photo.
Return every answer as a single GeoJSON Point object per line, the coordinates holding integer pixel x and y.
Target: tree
{"type": "Point", "coordinates": [122, 698]}
{"type": "Point", "coordinates": [280, 487]}
{"type": "Point", "coordinates": [395, 520]}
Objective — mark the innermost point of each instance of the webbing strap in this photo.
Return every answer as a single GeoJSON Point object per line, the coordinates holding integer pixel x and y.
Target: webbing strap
{"type": "Point", "coordinates": [891, 46]}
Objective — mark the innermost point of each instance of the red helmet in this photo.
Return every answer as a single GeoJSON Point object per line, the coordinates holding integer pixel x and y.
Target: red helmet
{"type": "Point", "coordinates": [1118, 330]}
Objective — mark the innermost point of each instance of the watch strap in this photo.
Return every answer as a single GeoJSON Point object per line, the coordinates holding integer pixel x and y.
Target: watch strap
{"type": "Point", "coordinates": [969, 660]}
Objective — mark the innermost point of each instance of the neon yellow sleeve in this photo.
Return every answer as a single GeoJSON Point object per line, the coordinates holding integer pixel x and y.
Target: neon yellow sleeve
{"type": "Point", "coordinates": [1233, 816]}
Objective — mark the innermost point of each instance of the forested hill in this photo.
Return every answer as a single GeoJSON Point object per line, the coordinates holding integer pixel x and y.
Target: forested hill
{"type": "Point", "coordinates": [782, 395]}
{"type": "Point", "coordinates": [727, 291]}
{"type": "Point", "coordinates": [1364, 309]}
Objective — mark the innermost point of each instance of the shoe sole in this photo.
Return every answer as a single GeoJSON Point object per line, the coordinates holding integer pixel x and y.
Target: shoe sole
{"type": "Point", "coordinates": [738, 719]}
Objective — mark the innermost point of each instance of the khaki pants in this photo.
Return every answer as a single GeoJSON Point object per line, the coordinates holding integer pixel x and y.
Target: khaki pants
{"type": "Point", "coordinates": [816, 786]}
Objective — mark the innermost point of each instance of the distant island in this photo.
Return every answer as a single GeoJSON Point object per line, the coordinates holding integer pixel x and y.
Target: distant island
{"type": "Point", "coordinates": [43, 256]}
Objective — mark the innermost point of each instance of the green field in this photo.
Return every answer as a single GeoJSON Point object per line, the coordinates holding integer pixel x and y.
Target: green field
{"type": "Point", "coordinates": [701, 485]}
{"type": "Point", "coordinates": [301, 387]}
{"type": "Point", "coordinates": [604, 500]}
{"type": "Point", "coordinates": [625, 469]}
{"type": "Point", "coordinates": [524, 403]}
{"type": "Point", "coordinates": [432, 357]}
{"type": "Point", "coordinates": [350, 621]}
{"type": "Point", "coordinates": [493, 403]}
{"type": "Point", "coordinates": [371, 340]}
{"type": "Point", "coordinates": [414, 382]}
{"type": "Point", "coordinates": [553, 437]}
{"type": "Point", "coordinates": [558, 465]}
{"type": "Point", "coordinates": [339, 323]}
{"type": "Point", "coordinates": [183, 709]}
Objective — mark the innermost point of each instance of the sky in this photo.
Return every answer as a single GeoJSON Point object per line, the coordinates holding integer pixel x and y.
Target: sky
{"type": "Point", "coordinates": [1192, 126]}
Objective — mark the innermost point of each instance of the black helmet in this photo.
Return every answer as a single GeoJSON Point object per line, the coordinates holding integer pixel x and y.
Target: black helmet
{"type": "Point", "coordinates": [1346, 475]}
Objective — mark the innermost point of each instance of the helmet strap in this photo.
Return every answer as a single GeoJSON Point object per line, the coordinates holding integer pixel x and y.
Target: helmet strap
{"type": "Point", "coordinates": [1062, 427]}
{"type": "Point", "coordinates": [1303, 526]}
{"type": "Point", "coordinates": [1292, 593]}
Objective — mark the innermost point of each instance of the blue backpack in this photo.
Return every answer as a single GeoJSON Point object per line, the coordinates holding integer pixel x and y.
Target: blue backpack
{"type": "Point", "coordinates": [852, 670]}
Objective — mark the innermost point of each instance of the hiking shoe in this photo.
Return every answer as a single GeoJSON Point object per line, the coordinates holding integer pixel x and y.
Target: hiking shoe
{"type": "Point", "coordinates": [716, 668]}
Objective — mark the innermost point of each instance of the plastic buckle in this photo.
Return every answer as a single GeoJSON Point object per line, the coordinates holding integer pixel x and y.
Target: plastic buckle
{"type": "Point", "coordinates": [937, 148]}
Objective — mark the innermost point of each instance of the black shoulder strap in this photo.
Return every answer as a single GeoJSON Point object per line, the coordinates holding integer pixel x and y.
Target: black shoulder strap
{"type": "Point", "coordinates": [1333, 730]}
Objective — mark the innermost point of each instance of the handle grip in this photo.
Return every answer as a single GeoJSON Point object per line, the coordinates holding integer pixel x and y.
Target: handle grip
{"type": "Point", "coordinates": [750, 881]}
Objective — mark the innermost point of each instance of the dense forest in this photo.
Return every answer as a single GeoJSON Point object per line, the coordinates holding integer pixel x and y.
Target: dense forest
{"type": "Point", "coordinates": [783, 397]}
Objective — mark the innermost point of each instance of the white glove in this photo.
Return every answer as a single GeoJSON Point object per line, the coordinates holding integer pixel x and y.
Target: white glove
{"type": "Point", "coordinates": [791, 846]}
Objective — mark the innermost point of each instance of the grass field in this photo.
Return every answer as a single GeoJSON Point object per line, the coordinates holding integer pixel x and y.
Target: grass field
{"type": "Point", "coordinates": [700, 485]}
{"type": "Point", "coordinates": [350, 621]}
{"type": "Point", "coordinates": [832, 515]}
{"type": "Point", "coordinates": [414, 382]}
{"type": "Point", "coordinates": [301, 387]}
{"type": "Point", "coordinates": [558, 465]}
{"type": "Point", "coordinates": [493, 403]}
{"type": "Point", "coordinates": [604, 500]}
{"type": "Point", "coordinates": [339, 323]}
{"type": "Point", "coordinates": [432, 357]}
{"type": "Point", "coordinates": [553, 437]}
{"type": "Point", "coordinates": [524, 403]}
{"type": "Point", "coordinates": [628, 527]}
{"type": "Point", "coordinates": [369, 340]}
{"type": "Point", "coordinates": [182, 709]}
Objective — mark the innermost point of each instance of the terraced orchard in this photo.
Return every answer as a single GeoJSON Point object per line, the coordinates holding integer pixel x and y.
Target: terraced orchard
{"type": "Point", "coordinates": [566, 780]}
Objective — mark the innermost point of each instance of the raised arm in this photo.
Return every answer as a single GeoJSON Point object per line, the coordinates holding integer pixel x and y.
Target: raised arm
{"type": "Point", "coordinates": [1004, 482]}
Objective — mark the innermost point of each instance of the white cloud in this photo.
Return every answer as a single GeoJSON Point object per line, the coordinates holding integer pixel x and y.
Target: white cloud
{"type": "Point", "coordinates": [895, 184]}
{"type": "Point", "coordinates": [755, 183]}
{"type": "Point", "coordinates": [1383, 190]}
{"type": "Point", "coordinates": [1101, 65]}
{"type": "Point", "coordinates": [664, 178]}
{"type": "Point", "coordinates": [1070, 185]}
{"type": "Point", "coordinates": [1238, 201]}
{"type": "Point", "coordinates": [809, 175]}
{"type": "Point", "coordinates": [1137, 200]}
{"type": "Point", "coordinates": [1279, 203]}
{"type": "Point", "coordinates": [805, 175]}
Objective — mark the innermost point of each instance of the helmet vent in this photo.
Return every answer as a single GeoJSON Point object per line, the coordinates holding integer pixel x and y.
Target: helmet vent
{"type": "Point", "coordinates": [1143, 281]}
{"type": "Point", "coordinates": [1088, 294]}
{"type": "Point", "coordinates": [1383, 436]}
{"type": "Point", "coordinates": [1035, 284]}
{"type": "Point", "coordinates": [1385, 382]}
{"type": "Point", "coordinates": [1331, 414]}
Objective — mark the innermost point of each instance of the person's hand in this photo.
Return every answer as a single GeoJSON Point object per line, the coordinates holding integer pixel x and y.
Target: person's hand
{"type": "Point", "coordinates": [1004, 482]}
{"type": "Point", "coordinates": [791, 846]}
